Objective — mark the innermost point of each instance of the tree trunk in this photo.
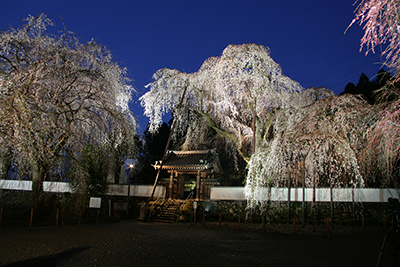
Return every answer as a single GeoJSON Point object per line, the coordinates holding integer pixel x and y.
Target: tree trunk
{"type": "Point", "coordinates": [37, 183]}
{"type": "Point", "coordinates": [253, 127]}
{"type": "Point", "coordinates": [169, 140]}
{"type": "Point", "coordinates": [5, 166]}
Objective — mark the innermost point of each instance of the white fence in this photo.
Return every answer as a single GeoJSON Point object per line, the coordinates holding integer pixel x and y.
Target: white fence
{"type": "Point", "coordinates": [229, 193]}
{"type": "Point", "coordinates": [321, 194]}
{"type": "Point", "coordinates": [63, 187]}
{"type": "Point", "coordinates": [135, 190]}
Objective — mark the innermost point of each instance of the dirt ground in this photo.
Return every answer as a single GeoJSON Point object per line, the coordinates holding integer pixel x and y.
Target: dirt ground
{"type": "Point", "coordinates": [133, 243]}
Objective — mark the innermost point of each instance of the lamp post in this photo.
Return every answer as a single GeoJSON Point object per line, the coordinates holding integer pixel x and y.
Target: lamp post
{"type": "Point", "coordinates": [131, 166]}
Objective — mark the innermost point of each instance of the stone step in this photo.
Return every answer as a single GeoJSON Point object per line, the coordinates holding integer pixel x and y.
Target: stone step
{"type": "Point", "coordinates": [168, 211]}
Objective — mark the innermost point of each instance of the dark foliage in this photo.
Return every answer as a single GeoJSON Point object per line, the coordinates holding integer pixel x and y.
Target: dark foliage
{"type": "Point", "coordinates": [367, 87]}
{"type": "Point", "coordinates": [151, 150]}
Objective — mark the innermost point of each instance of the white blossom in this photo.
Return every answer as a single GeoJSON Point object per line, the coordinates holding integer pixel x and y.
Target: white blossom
{"type": "Point", "coordinates": [229, 92]}
{"type": "Point", "coordinates": [58, 94]}
{"type": "Point", "coordinates": [325, 139]}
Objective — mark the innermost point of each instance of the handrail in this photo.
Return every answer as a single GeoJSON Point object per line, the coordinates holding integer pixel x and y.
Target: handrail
{"type": "Point", "coordinates": [154, 203]}
{"type": "Point", "coordinates": [186, 200]}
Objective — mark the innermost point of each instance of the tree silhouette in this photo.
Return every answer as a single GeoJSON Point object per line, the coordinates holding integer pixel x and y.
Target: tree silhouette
{"type": "Point", "coordinates": [367, 88]}
{"type": "Point", "coordinates": [152, 149]}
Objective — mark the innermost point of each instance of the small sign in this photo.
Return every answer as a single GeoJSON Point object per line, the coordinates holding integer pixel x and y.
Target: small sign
{"type": "Point", "coordinates": [95, 202]}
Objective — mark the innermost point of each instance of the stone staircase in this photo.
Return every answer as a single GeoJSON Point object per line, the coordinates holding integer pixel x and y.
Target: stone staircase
{"type": "Point", "coordinates": [166, 212]}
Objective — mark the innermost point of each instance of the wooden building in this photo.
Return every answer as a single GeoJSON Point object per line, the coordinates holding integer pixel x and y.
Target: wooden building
{"type": "Point", "coordinates": [190, 171]}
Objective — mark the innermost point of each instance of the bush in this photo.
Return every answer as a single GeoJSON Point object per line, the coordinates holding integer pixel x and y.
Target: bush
{"type": "Point", "coordinates": [16, 202]}
{"type": "Point", "coordinates": [277, 212]}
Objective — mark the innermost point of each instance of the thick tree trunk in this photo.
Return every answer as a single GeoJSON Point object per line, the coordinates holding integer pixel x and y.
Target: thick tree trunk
{"type": "Point", "coordinates": [37, 184]}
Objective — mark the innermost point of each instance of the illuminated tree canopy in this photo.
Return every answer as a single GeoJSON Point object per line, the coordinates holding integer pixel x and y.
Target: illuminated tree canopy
{"type": "Point", "coordinates": [57, 94]}
{"type": "Point", "coordinates": [384, 139]}
{"type": "Point", "coordinates": [236, 94]}
{"type": "Point", "coordinates": [324, 140]}
{"type": "Point", "coordinates": [381, 24]}
{"type": "Point", "coordinates": [381, 20]}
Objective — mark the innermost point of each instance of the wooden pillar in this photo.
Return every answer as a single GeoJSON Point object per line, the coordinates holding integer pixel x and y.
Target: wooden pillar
{"type": "Point", "coordinates": [175, 186]}
{"type": "Point", "coordinates": [202, 188]}
{"type": "Point", "coordinates": [181, 186]}
{"type": "Point", "coordinates": [171, 184]}
{"type": "Point", "coordinates": [198, 185]}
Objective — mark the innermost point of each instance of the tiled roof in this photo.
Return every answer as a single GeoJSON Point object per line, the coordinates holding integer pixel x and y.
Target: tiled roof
{"type": "Point", "coordinates": [197, 159]}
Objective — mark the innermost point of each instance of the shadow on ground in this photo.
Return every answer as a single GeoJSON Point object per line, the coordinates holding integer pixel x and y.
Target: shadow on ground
{"type": "Point", "coordinates": [51, 260]}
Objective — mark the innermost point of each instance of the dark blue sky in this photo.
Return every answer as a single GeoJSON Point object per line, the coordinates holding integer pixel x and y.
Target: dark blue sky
{"type": "Point", "coordinates": [305, 37]}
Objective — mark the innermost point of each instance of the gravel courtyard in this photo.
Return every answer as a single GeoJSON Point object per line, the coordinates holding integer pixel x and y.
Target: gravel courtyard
{"type": "Point", "coordinates": [132, 243]}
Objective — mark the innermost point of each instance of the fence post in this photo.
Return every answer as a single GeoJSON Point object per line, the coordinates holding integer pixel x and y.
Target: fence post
{"type": "Point", "coordinates": [1, 217]}
{"type": "Point", "coordinates": [332, 207]}
{"type": "Point", "coordinates": [313, 207]}
{"type": "Point", "coordinates": [354, 206]}
{"type": "Point", "coordinates": [304, 195]}
{"type": "Point", "coordinates": [328, 228]}
{"type": "Point", "coordinates": [31, 219]}
{"type": "Point", "coordinates": [57, 214]}
{"type": "Point", "coordinates": [363, 225]}
{"type": "Point", "coordinates": [98, 213]}
{"type": "Point", "coordinates": [80, 216]}
{"type": "Point", "coordinates": [289, 189]}
{"type": "Point", "coordinates": [384, 222]}
{"type": "Point", "coordinates": [294, 225]}
{"type": "Point", "coordinates": [263, 224]}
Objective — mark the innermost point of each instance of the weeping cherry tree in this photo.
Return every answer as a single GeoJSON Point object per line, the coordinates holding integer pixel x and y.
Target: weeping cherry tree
{"type": "Point", "coordinates": [236, 95]}
{"type": "Point", "coordinates": [381, 24]}
{"type": "Point", "coordinates": [324, 140]}
{"type": "Point", "coordinates": [58, 94]}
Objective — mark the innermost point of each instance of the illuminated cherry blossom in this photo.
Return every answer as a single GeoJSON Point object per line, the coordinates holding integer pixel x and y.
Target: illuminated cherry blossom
{"type": "Point", "coordinates": [235, 94]}
{"type": "Point", "coordinates": [58, 94]}
{"type": "Point", "coordinates": [323, 141]}
{"type": "Point", "coordinates": [381, 24]}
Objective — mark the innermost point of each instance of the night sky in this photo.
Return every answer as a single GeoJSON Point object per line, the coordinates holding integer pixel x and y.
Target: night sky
{"type": "Point", "coordinates": [307, 38]}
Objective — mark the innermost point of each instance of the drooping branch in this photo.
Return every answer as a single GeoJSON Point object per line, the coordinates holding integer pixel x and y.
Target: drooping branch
{"type": "Point", "coordinates": [238, 91]}
{"type": "Point", "coordinates": [220, 132]}
{"type": "Point", "coordinates": [327, 137]}
{"type": "Point", "coordinates": [58, 94]}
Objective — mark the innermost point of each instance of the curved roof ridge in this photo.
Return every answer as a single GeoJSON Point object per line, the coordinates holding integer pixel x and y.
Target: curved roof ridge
{"type": "Point", "coordinates": [192, 151]}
